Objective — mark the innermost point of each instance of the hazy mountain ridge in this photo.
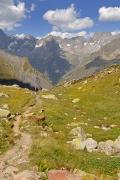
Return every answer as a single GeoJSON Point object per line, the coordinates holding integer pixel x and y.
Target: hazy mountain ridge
{"type": "Point", "coordinates": [60, 59]}
{"type": "Point", "coordinates": [109, 54]}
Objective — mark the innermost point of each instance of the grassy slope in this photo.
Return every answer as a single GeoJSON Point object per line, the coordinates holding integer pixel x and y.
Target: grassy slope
{"type": "Point", "coordinates": [99, 104]}
{"type": "Point", "coordinates": [17, 100]}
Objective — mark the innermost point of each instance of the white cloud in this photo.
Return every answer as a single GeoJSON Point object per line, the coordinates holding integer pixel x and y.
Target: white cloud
{"type": "Point", "coordinates": [33, 7]}
{"type": "Point", "coordinates": [109, 14]}
{"type": "Point", "coordinates": [67, 19]}
{"type": "Point", "coordinates": [11, 14]}
{"type": "Point", "coordinates": [67, 34]}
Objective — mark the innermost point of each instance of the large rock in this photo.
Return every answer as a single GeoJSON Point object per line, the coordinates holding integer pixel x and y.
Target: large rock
{"type": "Point", "coordinates": [117, 145]}
{"type": "Point", "coordinates": [79, 137]}
{"type": "Point", "coordinates": [90, 144]}
{"type": "Point", "coordinates": [4, 113]}
{"type": "Point", "coordinates": [78, 144]}
{"type": "Point", "coordinates": [106, 147]}
{"type": "Point", "coordinates": [78, 132]}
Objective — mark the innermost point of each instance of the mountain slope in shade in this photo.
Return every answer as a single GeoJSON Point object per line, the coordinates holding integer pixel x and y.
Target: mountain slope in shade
{"type": "Point", "coordinates": [15, 69]}
{"type": "Point", "coordinates": [49, 59]}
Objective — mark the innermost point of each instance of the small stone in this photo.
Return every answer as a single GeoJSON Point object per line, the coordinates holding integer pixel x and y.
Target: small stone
{"type": "Point", "coordinates": [66, 114]}
{"type": "Point", "coordinates": [49, 96]}
{"type": "Point", "coordinates": [105, 118]}
{"type": "Point", "coordinates": [76, 100]}
{"type": "Point", "coordinates": [4, 113]}
{"type": "Point", "coordinates": [44, 90]}
{"type": "Point", "coordinates": [113, 125]}
{"type": "Point", "coordinates": [85, 82]}
{"type": "Point", "coordinates": [105, 128]}
{"type": "Point", "coordinates": [96, 127]}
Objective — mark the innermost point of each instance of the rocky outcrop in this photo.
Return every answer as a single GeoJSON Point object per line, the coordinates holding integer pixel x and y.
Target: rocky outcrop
{"type": "Point", "coordinates": [80, 141]}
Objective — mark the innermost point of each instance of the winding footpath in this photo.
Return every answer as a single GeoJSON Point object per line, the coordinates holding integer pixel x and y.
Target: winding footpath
{"type": "Point", "coordinates": [15, 164]}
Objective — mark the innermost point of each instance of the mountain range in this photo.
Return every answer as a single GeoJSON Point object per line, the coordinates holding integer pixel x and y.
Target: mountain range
{"type": "Point", "coordinates": [61, 59]}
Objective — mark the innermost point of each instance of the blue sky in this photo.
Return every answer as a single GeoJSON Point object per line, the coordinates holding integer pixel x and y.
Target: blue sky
{"type": "Point", "coordinates": [34, 23]}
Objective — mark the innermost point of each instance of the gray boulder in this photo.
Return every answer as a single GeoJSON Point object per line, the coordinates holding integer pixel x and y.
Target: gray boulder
{"type": "Point", "coordinates": [106, 147]}
{"type": "Point", "coordinates": [117, 145]}
{"type": "Point", "coordinates": [90, 144]}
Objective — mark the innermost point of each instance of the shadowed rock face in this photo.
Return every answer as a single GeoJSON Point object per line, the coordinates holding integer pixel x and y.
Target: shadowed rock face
{"type": "Point", "coordinates": [50, 60]}
{"type": "Point", "coordinates": [17, 70]}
